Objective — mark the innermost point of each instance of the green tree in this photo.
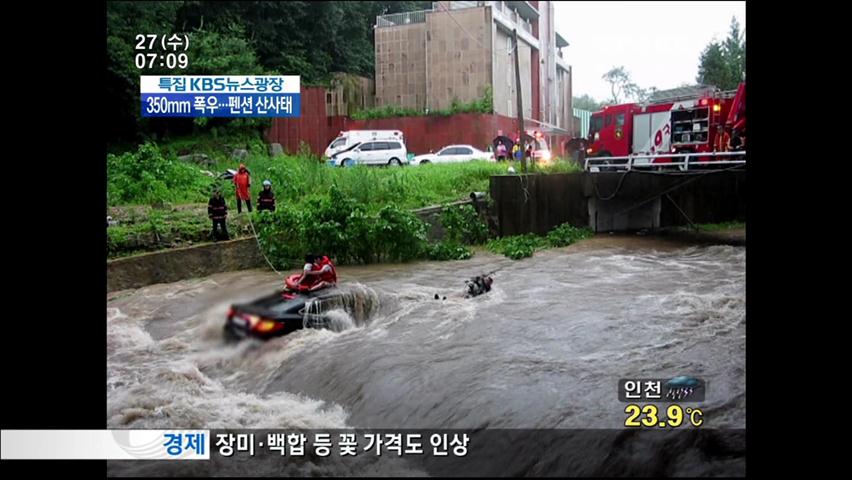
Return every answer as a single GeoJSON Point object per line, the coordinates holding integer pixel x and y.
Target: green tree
{"type": "Point", "coordinates": [310, 39]}
{"type": "Point", "coordinates": [735, 51]}
{"type": "Point", "coordinates": [622, 86]}
{"type": "Point", "coordinates": [226, 53]}
{"type": "Point", "coordinates": [586, 102]}
{"type": "Point", "coordinates": [723, 63]}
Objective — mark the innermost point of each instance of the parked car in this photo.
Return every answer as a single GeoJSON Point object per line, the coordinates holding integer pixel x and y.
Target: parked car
{"type": "Point", "coordinates": [454, 154]}
{"type": "Point", "coordinates": [391, 153]}
{"type": "Point", "coordinates": [352, 138]}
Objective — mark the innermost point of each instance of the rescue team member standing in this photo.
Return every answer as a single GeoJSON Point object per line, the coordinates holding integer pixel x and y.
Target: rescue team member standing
{"type": "Point", "coordinates": [266, 199]}
{"type": "Point", "coordinates": [723, 141]}
{"type": "Point", "coordinates": [242, 182]}
{"type": "Point", "coordinates": [517, 152]}
{"type": "Point", "coordinates": [501, 151]}
{"type": "Point", "coordinates": [737, 141]}
{"type": "Point", "coordinates": [217, 211]}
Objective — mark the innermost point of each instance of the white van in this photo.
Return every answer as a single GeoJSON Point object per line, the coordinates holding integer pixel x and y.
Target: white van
{"type": "Point", "coordinates": [347, 140]}
{"type": "Point", "coordinates": [389, 152]}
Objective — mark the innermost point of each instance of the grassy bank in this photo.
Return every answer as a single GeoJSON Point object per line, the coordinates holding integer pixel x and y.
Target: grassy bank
{"type": "Point", "coordinates": [146, 229]}
{"type": "Point", "coordinates": [720, 227]}
{"type": "Point", "coordinates": [160, 201]}
{"type": "Point", "coordinates": [154, 175]}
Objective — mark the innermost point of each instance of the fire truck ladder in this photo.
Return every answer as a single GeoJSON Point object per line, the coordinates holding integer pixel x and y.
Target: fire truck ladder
{"type": "Point", "coordinates": [681, 94]}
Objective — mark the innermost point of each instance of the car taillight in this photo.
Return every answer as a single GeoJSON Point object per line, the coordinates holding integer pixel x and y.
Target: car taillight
{"type": "Point", "coordinates": [266, 326]}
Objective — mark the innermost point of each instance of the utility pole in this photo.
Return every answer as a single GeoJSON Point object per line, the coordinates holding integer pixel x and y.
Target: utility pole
{"type": "Point", "coordinates": [520, 98]}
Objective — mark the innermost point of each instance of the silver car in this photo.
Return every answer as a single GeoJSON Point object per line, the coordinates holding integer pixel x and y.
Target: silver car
{"type": "Point", "coordinates": [454, 154]}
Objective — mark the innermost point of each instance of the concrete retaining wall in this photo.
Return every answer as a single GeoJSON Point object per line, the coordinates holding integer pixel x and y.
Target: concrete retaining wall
{"type": "Point", "coordinates": [615, 201]}
{"type": "Point", "coordinates": [182, 263]}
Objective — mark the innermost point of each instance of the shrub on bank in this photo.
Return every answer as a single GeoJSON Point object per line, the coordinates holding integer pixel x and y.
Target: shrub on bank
{"type": "Point", "coordinates": [462, 224]}
{"type": "Point", "coordinates": [448, 250]}
{"type": "Point", "coordinates": [566, 234]}
{"type": "Point", "coordinates": [147, 177]}
{"type": "Point", "coordinates": [338, 226]}
{"type": "Point", "coordinates": [522, 246]}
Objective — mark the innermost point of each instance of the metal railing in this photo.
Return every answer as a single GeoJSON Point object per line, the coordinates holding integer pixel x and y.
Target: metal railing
{"type": "Point", "coordinates": [404, 18]}
{"type": "Point", "coordinates": [630, 162]}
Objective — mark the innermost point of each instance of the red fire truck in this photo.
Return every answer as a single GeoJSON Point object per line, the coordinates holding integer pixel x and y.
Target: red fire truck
{"type": "Point", "coordinates": [736, 124]}
{"type": "Point", "coordinates": [687, 123]}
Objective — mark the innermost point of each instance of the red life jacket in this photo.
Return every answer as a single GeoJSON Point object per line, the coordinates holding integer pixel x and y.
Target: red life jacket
{"type": "Point", "coordinates": [330, 276]}
{"type": "Point", "coordinates": [242, 182]}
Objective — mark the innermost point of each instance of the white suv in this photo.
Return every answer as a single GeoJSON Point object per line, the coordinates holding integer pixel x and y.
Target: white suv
{"type": "Point", "coordinates": [390, 152]}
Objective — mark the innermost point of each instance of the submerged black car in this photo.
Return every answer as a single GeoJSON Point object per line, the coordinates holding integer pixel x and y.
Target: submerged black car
{"type": "Point", "coordinates": [278, 314]}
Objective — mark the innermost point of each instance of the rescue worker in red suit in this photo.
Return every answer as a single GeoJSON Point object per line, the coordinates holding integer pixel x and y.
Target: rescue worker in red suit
{"type": "Point", "coordinates": [242, 184]}
{"type": "Point", "coordinates": [318, 272]}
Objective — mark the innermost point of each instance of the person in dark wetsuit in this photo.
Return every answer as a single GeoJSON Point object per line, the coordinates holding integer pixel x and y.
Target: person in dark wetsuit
{"type": "Point", "coordinates": [478, 285]}
{"type": "Point", "coordinates": [475, 287]}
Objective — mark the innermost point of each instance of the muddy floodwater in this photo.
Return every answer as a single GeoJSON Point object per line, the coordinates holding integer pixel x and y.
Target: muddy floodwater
{"type": "Point", "coordinates": [544, 349]}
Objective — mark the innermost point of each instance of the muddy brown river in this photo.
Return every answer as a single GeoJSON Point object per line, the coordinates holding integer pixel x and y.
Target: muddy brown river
{"type": "Point", "coordinates": [544, 349]}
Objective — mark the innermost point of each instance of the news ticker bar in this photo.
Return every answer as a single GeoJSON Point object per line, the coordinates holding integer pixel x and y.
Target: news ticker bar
{"type": "Point", "coordinates": [197, 444]}
{"type": "Point", "coordinates": [105, 444]}
{"type": "Point", "coordinates": [479, 452]}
